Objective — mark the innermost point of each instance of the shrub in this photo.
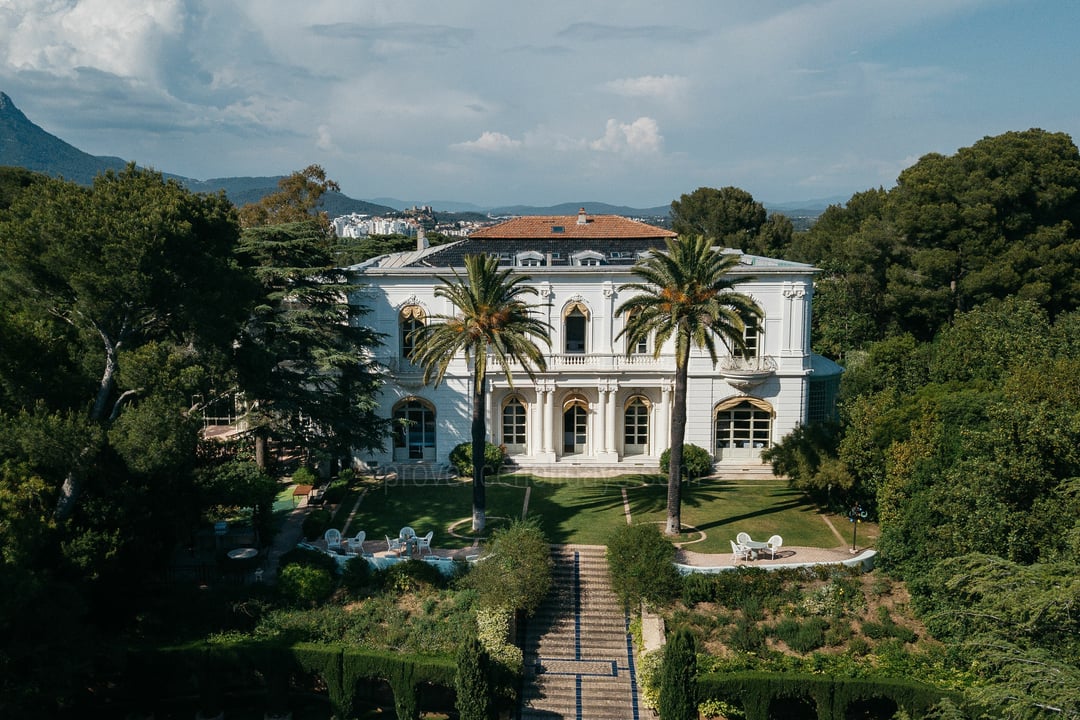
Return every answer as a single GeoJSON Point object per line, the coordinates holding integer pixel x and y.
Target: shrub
{"type": "Point", "coordinates": [357, 576]}
{"type": "Point", "coordinates": [493, 631]}
{"type": "Point", "coordinates": [305, 476]}
{"type": "Point", "coordinates": [472, 684]}
{"type": "Point", "coordinates": [648, 677]}
{"type": "Point", "coordinates": [315, 523]}
{"type": "Point", "coordinates": [802, 636]}
{"type": "Point", "coordinates": [697, 588]}
{"type": "Point", "coordinates": [515, 573]}
{"type": "Point", "coordinates": [696, 461]}
{"type": "Point", "coordinates": [307, 558]}
{"type": "Point", "coordinates": [641, 563]}
{"type": "Point", "coordinates": [746, 636]}
{"type": "Point", "coordinates": [412, 575]}
{"type": "Point", "coordinates": [677, 678]}
{"type": "Point", "coordinates": [303, 585]}
{"type": "Point", "coordinates": [461, 459]}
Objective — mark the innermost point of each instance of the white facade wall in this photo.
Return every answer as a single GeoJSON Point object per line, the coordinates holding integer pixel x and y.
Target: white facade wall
{"type": "Point", "coordinates": [602, 377]}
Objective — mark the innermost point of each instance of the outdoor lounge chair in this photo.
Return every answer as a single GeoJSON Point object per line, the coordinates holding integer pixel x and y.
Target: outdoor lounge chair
{"type": "Point", "coordinates": [424, 543]}
{"type": "Point", "coordinates": [774, 544]}
{"type": "Point", "coordinates": [739, 552]}
{"type": "Point", "coordinates": [333, 539]}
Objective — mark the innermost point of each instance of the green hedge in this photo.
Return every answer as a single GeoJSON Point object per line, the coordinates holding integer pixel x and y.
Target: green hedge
{"type": "Point", "coordinates": [754, 692]}
{"type": "Point", "coordinates": [210, 670]}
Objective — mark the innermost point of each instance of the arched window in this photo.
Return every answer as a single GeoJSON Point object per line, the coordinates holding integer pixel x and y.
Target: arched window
{"type": "Point", "coordinates": [575, 425]}
{"type": "Point", "coordinates": [743, 428]}
{"type": "Point", "coordinates": [575, 325]}
{"type": "Point", "coordinates": [414, 430]}
{"type": "Point", "coordinates": [636, 426]}
{"type": "Point", "coordinates": [514, 427]}
{"type": "Point", "coordinates": [410, 318]}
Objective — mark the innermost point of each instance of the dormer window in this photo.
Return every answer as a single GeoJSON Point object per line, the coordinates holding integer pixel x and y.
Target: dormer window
{"type": "Point", "coordinates": [587, 257]}
{"type": "Point", "coordinates": [530, 258]}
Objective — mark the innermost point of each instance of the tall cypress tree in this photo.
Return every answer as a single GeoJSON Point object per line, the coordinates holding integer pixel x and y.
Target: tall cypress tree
{"type": "Point", "coordinates": [678, 692]}
{"type": "Point", "coordinates": [472, 684]}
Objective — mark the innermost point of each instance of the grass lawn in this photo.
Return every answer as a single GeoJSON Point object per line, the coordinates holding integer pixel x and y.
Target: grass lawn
{"type": "Point", "coordinates": [588, 510]}
{"type": "Point", "coordinates": [724, 508]}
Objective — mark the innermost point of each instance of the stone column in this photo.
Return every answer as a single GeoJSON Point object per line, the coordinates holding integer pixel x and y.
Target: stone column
{"type": "Point", "coordinates": [600, 425]}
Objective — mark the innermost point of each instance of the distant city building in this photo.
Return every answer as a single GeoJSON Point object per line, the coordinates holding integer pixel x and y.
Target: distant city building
{"type": "Point", "coordinates": [358, 225]}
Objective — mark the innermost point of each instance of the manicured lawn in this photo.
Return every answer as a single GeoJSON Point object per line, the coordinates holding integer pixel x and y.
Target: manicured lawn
{"type": "Point", "coordinates": [724, 508]}
{"type": "Point", "coordinates": [588, 510]}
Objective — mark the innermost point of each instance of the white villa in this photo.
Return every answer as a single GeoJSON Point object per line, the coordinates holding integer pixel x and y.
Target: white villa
{"type": "Point", "coordinates": [596, 406]}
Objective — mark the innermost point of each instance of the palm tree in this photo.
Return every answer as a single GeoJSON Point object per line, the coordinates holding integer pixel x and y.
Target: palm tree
{"type": "Point", "coordinates": [493, 320]}
{"type": "Point", "coordinates": [686, 295]}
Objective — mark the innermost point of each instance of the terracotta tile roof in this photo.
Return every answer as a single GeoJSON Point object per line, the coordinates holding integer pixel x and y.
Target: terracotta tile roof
{"type": "Point", "coordinates": [549, 227]}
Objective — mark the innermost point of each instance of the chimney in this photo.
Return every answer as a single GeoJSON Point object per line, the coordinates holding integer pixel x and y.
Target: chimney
{"type": "Point", "coordinates": [581, 218]}
{"type": "Point", "coordinates": [421, 240]}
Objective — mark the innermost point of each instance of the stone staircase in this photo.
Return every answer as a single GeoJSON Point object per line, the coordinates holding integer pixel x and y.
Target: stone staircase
{"type": "Point", "coordinates": [579, 661]}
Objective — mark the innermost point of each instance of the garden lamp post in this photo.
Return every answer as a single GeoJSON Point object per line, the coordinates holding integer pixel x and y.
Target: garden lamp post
{"type": "Point", "coordinates": [855, 515]}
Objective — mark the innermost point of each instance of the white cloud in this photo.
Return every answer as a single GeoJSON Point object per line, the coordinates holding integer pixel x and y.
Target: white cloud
{"type": "Point", "coordinates": [658, 87]}
{"type": "Point", "coordinates": [489, 142]}
{"type": "Point", "coordinates": [639, 137]}
{"type": "Point", "coordinates": [121, 37]}
{"type": "Point", "coordinates": [323, 139]}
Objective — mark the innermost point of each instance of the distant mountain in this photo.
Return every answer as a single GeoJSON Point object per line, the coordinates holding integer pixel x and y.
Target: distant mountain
{"type": "Point", "coordinates": [24, 144]}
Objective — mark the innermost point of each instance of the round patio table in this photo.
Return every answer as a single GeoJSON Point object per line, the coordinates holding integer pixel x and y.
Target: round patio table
{"type": "Point", "coordinates": [242, 553]}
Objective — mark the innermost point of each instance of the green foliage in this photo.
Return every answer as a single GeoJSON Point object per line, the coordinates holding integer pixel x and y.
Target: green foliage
{"type": "Point", "coordinates": [305, 476]}
{"type": "Point", "coordinates": [461, 459]}
{"type": "Point", "coordinates": [357, 577]}
{"type": "Point", "coordinates": [678, 692]}
{"type": "Point", "coordinates": [304, 585]}
{"type": "Point", "coordinates": [802, 635]}
{"type": "Point", "coordinates": [308, 558]}
{"type": "Point", "coordinates": [315, 523]}
{"type": "Point", "coordinates": [411, 576]}
{"type": "Point", "coordinates": [648, 676]}
{"type": "Point", "coordinates": [696, 462]}
{"type": "Point", "coordinates": [836, 697]}
{"type": "Point", "coordinates": [986, 343]}
{"type": "Point", "coordinates": [471, 683]}
{"type": "Point", "coordinates": [493, 631]}
{"type": "Point", "coordinates": [515, 571]}
{"type": "Point", "coordinates": [641, 565]}
{"type": "Point", "coordinates": [728, 216]}
{"type": "Point", "coordinates": [299, 357]}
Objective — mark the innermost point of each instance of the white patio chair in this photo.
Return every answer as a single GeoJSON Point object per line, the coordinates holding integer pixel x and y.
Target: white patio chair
{"type": "Point", "coordinates": [394, 544]}
{"type": "Point", "coordinates": [424, 543]}
{"type": "Point", "coordinates": [739, 552]}
{"type": "Point", "coordinates": [356, 542]}
{"type": "Point", "coordinates": [742, 538]}
{"type": "Point", "coordinates": [333, 539]}
{"type": "Point", "coordinates": [774, 544]}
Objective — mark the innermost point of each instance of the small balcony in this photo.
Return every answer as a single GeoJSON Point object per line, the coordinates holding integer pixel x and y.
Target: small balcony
{"type": "Point", "coordinates": [745, 374]}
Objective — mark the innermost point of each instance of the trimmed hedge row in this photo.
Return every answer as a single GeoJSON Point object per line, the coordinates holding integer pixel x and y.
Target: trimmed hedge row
{"type": "Point", "coordinates": [755, 692]}
{"type": "Point", "coordinates": [211, 669]}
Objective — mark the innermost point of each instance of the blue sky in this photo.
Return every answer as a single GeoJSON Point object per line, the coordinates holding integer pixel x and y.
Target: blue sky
{"type": "Point", "coordinates": [632, 102]}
